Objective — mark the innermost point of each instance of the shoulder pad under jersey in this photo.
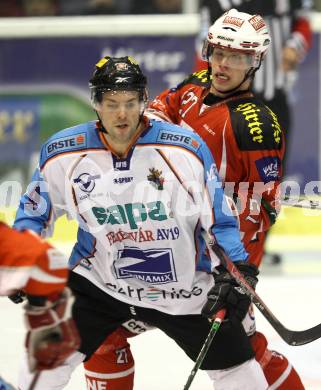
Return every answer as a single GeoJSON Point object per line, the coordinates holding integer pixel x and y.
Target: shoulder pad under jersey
{"type": "Point", "coordinates": [164, 133]}
{"type": "Point", "coordinates": [73, 139]}
{"type": "Point", "coordinates": [198, 78]}
{"type": "Point", "coordinates": [255, 125]}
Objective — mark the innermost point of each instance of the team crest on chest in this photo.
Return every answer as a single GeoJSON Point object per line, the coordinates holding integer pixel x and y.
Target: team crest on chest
{"type": "Point", "coordinates": [155, 177]}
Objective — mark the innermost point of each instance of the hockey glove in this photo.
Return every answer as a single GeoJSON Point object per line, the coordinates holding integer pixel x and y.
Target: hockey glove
{"type": "Point", "coordinates": [52, 335]}
{"type": "Point", "coordinates": [226, 293]}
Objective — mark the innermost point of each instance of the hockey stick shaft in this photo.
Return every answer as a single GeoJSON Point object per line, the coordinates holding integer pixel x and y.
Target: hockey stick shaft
{"type": "Point", "coordinates": [291, 337]}
{"type": "Point", "coordinates": [34, 380]}
{"type": "Point", "coordinates": [205, 347]}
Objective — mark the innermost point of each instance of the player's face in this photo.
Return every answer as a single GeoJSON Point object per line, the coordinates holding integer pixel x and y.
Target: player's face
{"type": "Point", "coordinates": [228, 69]}
{"type": "Point", "coordinates": [119, 112]}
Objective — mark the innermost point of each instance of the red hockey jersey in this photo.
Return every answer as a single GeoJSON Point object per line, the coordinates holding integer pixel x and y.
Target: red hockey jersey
{"type": "Point", "coordinates": [247, 143]}
{"type": "Point", "coordinates": [29, 263]}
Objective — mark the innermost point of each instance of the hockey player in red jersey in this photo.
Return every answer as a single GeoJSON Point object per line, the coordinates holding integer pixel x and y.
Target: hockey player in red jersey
{"type": "Point", "coordinates": [24, 270]}
{"type": "Point", "coordinates": [246, 140]}
{"type": "Point", "coordinates": [289, 25]}
{"type": "Point", "coordinates": [32, 265]}
{"type": "Point", "coordinates": [243, 134]}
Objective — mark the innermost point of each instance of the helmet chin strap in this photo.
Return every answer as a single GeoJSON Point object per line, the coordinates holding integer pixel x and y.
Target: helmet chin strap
{"type": "Point", "coordinates": [101, 127]}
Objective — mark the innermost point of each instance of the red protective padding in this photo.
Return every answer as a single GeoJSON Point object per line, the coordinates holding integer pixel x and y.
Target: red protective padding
{"type": "Point", "coordinates": [52, 334]}
{"type": "Point", "coordinates": [276, 367]}
{"type": "Point", "coordinates": [24, 253]}
{"type": "Point", "coordinates": [112, 365]}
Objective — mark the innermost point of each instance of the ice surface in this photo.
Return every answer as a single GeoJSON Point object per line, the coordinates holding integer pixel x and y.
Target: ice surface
{"type": "Point", "coordinates": [160, 365]}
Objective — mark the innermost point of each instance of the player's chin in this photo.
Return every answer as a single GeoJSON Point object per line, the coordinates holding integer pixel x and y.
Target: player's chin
{"type": "Point", "coordinates": [222, 88]}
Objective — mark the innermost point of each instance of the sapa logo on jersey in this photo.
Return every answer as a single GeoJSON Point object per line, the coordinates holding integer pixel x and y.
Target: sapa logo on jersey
{"type": "Point", "coordinates": [132, 213]}
{"type": "Point", "coordinates": [268, 168]}
{"type": "Point", "coordinates": [66, 143]}
{"type": "Point", "coordinates": [154, 266]}
{"type": "Point", "coordinates": [169, 137]}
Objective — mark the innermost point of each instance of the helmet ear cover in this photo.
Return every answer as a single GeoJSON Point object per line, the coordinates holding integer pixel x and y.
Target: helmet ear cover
{"type": "Point", "coordinates": [117, 74]}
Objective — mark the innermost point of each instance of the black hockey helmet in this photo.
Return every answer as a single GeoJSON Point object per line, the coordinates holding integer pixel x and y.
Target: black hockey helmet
{"type": "Point", "coordinates": [117, 74]}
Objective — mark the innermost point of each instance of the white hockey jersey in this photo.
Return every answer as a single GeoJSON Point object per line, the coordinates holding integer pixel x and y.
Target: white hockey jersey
{"type": "Point", "coordinates": [145, 221]}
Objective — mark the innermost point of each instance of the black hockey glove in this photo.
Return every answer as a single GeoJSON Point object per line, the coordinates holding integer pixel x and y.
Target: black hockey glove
{"type": "Point", "coordinates": [18, 297]}
{"type": "Point", "coordinates": [226, 293]}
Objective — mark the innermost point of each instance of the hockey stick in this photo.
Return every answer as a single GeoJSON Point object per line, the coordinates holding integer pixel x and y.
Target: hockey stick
{"type": "Point", "coordinates": [207, 343]}
{"type": "Point", "coordinates": [291, 337]}
{"type": "Point", "coordinates": [34, 380]}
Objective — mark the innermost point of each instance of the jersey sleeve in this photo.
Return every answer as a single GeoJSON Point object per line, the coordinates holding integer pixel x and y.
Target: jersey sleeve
{"type": "Point", "coordinates": [29, 263]}
{"type": "Point", "coordinates": [35, 209]}
{"type": "Point", "coordinates": [165, 106]}
{"type": "Point", "coordinates": [259, 141]}
{"type": "Point", "coordinates": [42, 202]}
{"type": "Point", "coordinates": [224, 226]}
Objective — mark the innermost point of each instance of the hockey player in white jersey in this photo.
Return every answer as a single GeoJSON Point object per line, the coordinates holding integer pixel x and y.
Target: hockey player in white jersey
{"type": "Point", "coordinates": [150, 208]}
